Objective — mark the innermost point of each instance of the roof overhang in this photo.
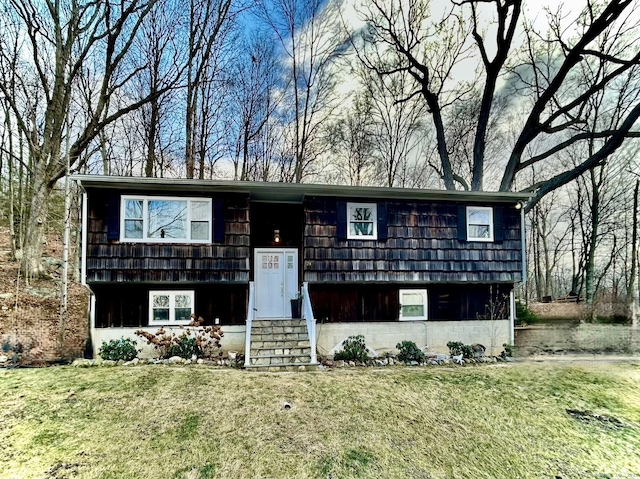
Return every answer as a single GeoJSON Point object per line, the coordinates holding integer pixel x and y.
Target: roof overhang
{"type": "Point", "coordinates": [291, 192]}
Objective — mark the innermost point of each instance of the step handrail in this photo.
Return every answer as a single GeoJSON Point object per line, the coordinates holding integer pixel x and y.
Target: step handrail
{"type": "Point", "coordinates": [250, 317]}
{"type": "Point", "coordinates": [307, 315]}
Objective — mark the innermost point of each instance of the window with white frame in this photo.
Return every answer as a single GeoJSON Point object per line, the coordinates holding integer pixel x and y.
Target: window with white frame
{"type": "Point", "coordinates": [170, 307]}
{"type": "Point", "coordinates": [413, 304]}
{"type": "Point", "coordinates": [479, 223]}
{"type": "Point", "coordinates": [362, 221]}
{"type": "Point", "coordinates": [162, 219]}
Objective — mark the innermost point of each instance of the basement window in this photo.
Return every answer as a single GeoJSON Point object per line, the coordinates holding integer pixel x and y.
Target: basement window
{"type": "Point", "coordinates": [362, 221]}
{"type": "Point", "coordinates": [166, 220]}
{"type": "Point", "coordinates": [170, 307]}
{"type": "Point", "coordinates": [413, 305]}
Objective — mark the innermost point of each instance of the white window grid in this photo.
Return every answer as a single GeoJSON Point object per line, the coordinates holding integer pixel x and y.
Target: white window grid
{"type": "Point", "coordinates": [145, 219]}
{"type": "Point", "coordinates": [374, 220]}
{"type": "Point", "coordinates": [470, 224]}
{"type": "Point", "coordinates": [421, 293]}
{"type": "Point", "coordinates": [172, 307]}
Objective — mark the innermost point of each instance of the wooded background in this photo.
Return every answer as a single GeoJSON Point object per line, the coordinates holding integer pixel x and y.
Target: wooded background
{"type": "Point", "coordinates": [468, 94]}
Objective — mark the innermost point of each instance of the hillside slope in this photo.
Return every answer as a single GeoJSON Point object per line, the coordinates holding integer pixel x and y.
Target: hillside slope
{"type": "Point", "coordinates": [29, 314]}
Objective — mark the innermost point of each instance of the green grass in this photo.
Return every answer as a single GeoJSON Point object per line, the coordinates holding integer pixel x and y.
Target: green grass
{"type": "Point", "coordinates": [507, 421]}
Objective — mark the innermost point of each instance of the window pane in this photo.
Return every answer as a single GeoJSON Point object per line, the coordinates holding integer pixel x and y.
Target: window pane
{"type": "Point", "coordinates": [160, 314]}
{"type": "Point", "coordinates": [412, 298]}
{"type": "Point", "coordinates": [160, 300]}
{"type": "Point", "coordinates": [361, 214]}
{"type": "Point", "coordinates": [200, 210]}
{"type": "Point", "coordinates": [479, 217]}
{"type": "Point", "coordinates": [183, 314]}
{"type": "Point", "coordinates": [478, 231]}
{"type": "Point", "coordinates": [133, 209]}
{"type": "Point", "coordinates": [183, 301]}
{"type": "Point", "coordinates": [133, 228]}
{"type": "Point", "coordinates": [361, 229]}
{"type": "Point", "coordinates": [412, 311]}
{"type": "Point", "coordinates": [199, 230]}
{"type": "Point", "coordinates": [167, 219]}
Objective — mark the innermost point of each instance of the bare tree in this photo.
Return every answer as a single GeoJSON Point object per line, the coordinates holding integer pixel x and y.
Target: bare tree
{"type": "Point", "coordinates": [557, 73]}
{"type": "Point", "coordinates": [208, 22]}
{"type": "Point", "coordinates": [350, 139]}
{"type": "Point", "coordinates": [309, 35]}
{"type": "Point", "coordinates": [253, 95]}
{"type": "Point", "coordinates": [62, 40]}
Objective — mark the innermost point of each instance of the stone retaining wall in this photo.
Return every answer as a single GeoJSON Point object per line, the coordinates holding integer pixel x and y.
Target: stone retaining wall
{"type": "Point", "coordinates": [577, 337]}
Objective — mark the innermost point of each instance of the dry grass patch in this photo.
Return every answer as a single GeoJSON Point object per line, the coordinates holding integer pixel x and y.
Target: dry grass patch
{"type": "Point", "coordinates": [195, 423]}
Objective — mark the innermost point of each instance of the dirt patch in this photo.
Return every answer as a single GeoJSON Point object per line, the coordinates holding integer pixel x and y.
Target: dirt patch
{"type": "Point", "coordinates": [588, 417]}
{"type": "Point", "coordinates": [30, 315]}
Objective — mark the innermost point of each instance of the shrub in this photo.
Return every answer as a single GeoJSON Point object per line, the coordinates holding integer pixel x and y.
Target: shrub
{"type": "Point", "coordinates": [185, 347]}
{"type": "Point", "coordinates": [524, 314]}
{"type": "Point", "coordinates": [353, 349]}
{"type": "Point", "coordinates": [201, 341]}
{"type": "Point", "coordinates": [118, 349]}
{"type": "Point", "coordinates": [409, 352]}
{"type": "Point", "coordinates": [456, 348]}
{"type": "Point", "coordinates": [508, 350]}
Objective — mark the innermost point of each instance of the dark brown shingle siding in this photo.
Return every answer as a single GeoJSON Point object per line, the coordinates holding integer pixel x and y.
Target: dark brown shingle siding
{"type": "Point", "coordinates": [164, 263]}
{"type": "Point", "coordinates": [422, 246]}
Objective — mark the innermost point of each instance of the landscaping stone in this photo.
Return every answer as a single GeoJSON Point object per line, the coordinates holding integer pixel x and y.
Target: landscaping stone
{"type": "Point", "coordinates": [200, 361]}
{"type": "Point", "coordinates": [340, 364]}
{"type": "Point", "coordinates": [391, 361]}
{"type": "Point", "coordinates": [81, 363]}
{"type": "Point", "coordinates": [109, 362]}
{"type": "Point", "coordinates": [413, 363]}
{"type": "Point", "coordinates": [3, 359]}
{"type": "Point", "coordinates": [352, 363]}
{"type": "Point", "coordinates": [379, 362]}
{"type": "Point", "coordinates": [175, 360]}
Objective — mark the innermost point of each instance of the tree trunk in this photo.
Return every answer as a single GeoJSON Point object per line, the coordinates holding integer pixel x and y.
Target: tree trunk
{"type": "Point", "coordinates": [35, 230]}
{"type": "Point", "coordinates": [632, 291]}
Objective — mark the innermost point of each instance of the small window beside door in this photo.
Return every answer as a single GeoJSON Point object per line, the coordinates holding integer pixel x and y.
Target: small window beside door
{"type": "Point", "coordinates": [413, 304]}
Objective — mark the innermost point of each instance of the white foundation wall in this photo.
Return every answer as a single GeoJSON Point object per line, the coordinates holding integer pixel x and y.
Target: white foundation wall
{"type": "Point", "coordinates": [382, 337]}
{"type": "Point", "coordinates": [233, 338]}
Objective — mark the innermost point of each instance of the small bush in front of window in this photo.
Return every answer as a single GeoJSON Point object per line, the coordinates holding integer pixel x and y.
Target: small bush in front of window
{"type": "Point", "coordinates": [186, 347]}
{"type": "Point", "coordinates": [119, 350]}
{"type": "Point", "coordinates": [353, 349]}
{"type": "Point", "coordinates": [409, 351]}
{"type": "Point", "coordinates": [201, 341]}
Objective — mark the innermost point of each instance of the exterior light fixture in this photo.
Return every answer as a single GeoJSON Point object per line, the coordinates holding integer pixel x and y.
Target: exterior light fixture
{"type": "Point", "coordinates": [276, 236]}
{"type": "Point", "coordinates": [519, 205]}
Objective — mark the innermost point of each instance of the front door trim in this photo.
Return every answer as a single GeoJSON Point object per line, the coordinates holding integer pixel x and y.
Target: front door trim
{"type": "Point", "coordinates": [273, 292]}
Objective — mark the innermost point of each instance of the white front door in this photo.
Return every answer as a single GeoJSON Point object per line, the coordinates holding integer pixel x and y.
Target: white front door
{"type": "Point", "coordinates": [276, 281]}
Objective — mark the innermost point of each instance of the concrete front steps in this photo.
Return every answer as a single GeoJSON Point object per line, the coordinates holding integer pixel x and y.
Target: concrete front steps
{"type": "Point", "coordinates": [280, 344]}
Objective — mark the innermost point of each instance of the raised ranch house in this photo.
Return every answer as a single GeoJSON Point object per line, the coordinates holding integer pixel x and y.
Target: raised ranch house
{"type": "Point", "coordinates": [388, 263]}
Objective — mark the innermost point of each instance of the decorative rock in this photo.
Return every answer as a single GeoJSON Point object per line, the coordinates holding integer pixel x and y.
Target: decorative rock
{"type": "Point", "coordinates": [340, 364]}
{"type": "Point", "coordinates": [108, 362]}
{"type": "Point", "coordinates": [379, 362]}
{"type": "Point", "coordinates": [133, 362]}
{"type": "Point", "coordinates": [3, 359]}
{"type": "Point", "coordinates": [187, 361]}
{"type": "Point", "coordinates": [175, 360]}
{"type": "Point", "coordinates": [391, 361]}
{"type": "Point", "coordinates": [200, 361]}
{"type": "Point", "coordinates": [81, 363]}
{"type": "Point", "coordinates": [6, 295]}
{"type": "Point", "coordinates": [413, 363]}
{"type": "Point", "coordinates": [194, 357]}
{"type": "Point", "coordinates": [352, 363]}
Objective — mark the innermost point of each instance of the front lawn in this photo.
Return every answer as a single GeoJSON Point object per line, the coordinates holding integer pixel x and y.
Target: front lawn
{"type": "Point", "coordinates": [504, 421]}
